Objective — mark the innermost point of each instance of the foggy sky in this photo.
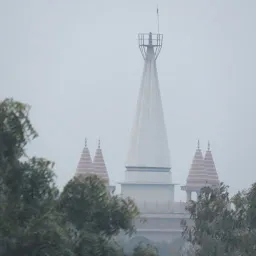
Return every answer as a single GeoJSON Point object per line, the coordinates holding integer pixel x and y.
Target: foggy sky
{"type": "Point", "coordinates": [78, 65]}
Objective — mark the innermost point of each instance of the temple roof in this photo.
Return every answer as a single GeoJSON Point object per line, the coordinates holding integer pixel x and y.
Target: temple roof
{"type": "Point", "coordinates": [149, 142]}
{"type": "Point", "coordinates": [202, 171]}
{"type": "Point", "coordinates": [210, 168]}
{"type": "Point", "coordinates": [84, 166]}
{"type": "Point", "coordinates": [197, 176]}
{"type": "Point", "coordinates": [99, 165]}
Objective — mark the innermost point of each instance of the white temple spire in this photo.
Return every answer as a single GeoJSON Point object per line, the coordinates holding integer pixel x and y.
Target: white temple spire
{"type": "Point", "coordinates": [149, 143]}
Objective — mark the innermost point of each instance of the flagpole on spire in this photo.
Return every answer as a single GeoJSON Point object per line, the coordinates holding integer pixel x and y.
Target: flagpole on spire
{"type": "Point", "coordinates": [157, 12]}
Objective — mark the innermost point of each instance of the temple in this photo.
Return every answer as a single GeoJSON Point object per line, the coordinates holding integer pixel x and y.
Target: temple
{"type": "Point", "coordinates": [97, 167]}
{"type": "Point", "coordinates": [202, 173]}
{"type": "Point", "coordinates": [148, 172]}
{"type": "Point", "coordinates": [148, 175]}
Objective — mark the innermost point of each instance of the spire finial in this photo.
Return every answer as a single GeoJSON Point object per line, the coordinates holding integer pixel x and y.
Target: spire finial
{"type": "Point", "coordinates": [198, 144]}
{"type": "Point", "coordinates": [99, 143]}
{"type": "Point", "coordinates": [157, 12]}
{"type": "Point", "coordinates": [209, 146]}
{"type": "Point", "coordinates": [85, 142]}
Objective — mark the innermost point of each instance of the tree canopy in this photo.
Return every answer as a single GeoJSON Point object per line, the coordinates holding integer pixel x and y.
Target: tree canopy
{"type": "Point", "coordinates": [145, 250]}
{"type": "Point", "coordinates": [222, 225]}
{"type": "Point", "coordinates": [94, 215]}
{"type": "Point", "coordinates": [84, 219]}
{"type": "Point", "coordinates": [35, 218]}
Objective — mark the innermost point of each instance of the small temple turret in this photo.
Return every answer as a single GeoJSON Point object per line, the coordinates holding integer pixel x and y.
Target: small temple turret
{"type": "Point", "coordinates": [84, 166]}
{"type": "Point", "coordinates": [209, 165]}
{"type": "Point", "coordinates": [99, 165]}
{"type": "Point", "coordinates": [197, 176]}
{"type": "Point", "coordinates": [202, 172]}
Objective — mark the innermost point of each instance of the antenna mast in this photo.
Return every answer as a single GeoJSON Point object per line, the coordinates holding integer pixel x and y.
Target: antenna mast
{"type": "Point", "coordinates": [150, 40]}
{"type": "Point", "coordinates": [157, 13]}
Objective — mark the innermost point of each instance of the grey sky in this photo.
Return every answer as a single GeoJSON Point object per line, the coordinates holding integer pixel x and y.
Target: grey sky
{"type": "Point", "coordinates": [77, 63]}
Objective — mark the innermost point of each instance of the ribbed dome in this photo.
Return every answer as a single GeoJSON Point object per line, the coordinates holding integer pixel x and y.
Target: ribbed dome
{"type": "Point", "coordinates": [197, 177]}
{"type": "Point", "coordinates": [84, 166]}
{"type": "Point", "coordinates": [99, 165]}
{"type": "Point", "coordinates": [210, 168]}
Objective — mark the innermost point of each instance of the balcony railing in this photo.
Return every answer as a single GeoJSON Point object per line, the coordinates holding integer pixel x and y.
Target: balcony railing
{"type": "Point", "coordinates": [161, 207]}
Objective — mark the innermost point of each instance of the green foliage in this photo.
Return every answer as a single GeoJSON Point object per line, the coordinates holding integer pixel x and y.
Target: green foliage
{"type": "Point", "coordinates": [145, 250]}
{"type": "Point", "coordinates": [172, 248]}
{"type": "Point", "coordinates": [16, 130]}
{"type": "Point", "coordinates": [34, 218]}
{"type": "Point", "coordinates": [221, 226]}
{"type": "Point", "coordinates": [93, 208]}
{"type": "Point", "coordinates": [94, 215]}
{"type": "Point", "coordinates": [28, 219]}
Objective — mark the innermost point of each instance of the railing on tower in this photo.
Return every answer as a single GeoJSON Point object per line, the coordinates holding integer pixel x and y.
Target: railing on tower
{"type": "Point", "coordinates": [161, 207]}
{"type": "Point", "coordinates": [150, 40]}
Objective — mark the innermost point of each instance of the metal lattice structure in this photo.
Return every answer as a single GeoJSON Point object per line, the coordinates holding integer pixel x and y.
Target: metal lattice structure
{"type": "Point", "coordinates": [150, 40]}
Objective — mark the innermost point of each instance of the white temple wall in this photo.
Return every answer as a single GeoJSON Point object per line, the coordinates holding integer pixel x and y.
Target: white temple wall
{"type": "Point", "coordinates": [164, 224]}
{"type": "Point", "coordinates": [159, 236]}
{"type": "Point", "coordinates": [148, 176]}
{"type": "Point", "coordinates": [149, 193]}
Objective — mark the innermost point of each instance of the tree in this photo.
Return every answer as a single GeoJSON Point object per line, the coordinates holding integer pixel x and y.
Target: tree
{"type": "Point", "coordinates": [94, 215]}
{"type": "Point", "coordinates": [145, 250]}
{"type": "Point", "coordinates": [212, 223]}
{"type": "Point", "coordinates": [35, 219]}
{"type": "Point", "coordinates": [244, 214]}
{"type": "Point", "coordinates": [220, 225]}
{"type": "Point", "coordinates": [175, 247]}
{"type": "Point", "coordinates": [28, 219]}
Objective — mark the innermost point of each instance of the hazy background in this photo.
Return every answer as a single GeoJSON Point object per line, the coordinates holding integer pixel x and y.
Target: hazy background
{"type": "Point", "coordinates": [78, 65]}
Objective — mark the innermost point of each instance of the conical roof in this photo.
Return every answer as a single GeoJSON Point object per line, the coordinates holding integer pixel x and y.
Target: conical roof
{"type": "Point", "coordinates": [149, 143]}
{"type": "Point", "coordinates": [99, 165]}
{"type": "Point", "coordinates": [210, 168]}
{"type": "Point", "coordinates": [197, 176]}
{"type": "Point", "coordinates": [84, 166]}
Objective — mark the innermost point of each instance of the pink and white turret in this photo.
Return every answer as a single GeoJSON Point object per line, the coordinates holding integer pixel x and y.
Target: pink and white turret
{"type": "Point", "coordinates": [197, 177]}
{"type": "Point", "coordinates": [210, 168]}
{"type": "Point", "coordinates": [100, 168]}
{"type": "Point", "coordinates": [99, 165]}
{"type": "Point", "coordinates": [84, 166]}
{"type": "Point", "coordinates": [202, 173]}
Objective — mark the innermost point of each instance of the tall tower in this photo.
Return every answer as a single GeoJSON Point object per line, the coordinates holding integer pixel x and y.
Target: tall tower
{"type": "Point", "coordinates": [149, 144]}
{"type": "Point", "coordinates": [148, 169]}
{"type": "Point", "coordinates": [148, 178]}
